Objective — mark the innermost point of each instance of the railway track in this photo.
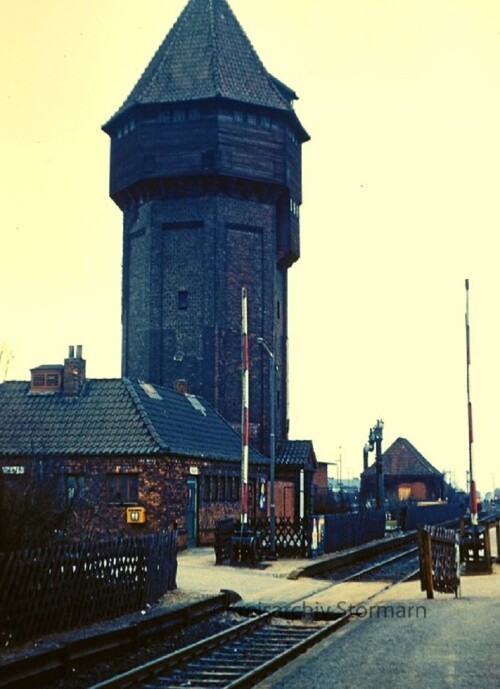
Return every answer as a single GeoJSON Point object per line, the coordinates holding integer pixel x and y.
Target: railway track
{"type": "Point", "coordinates": [236, 658]}
{"type": "Point", "coordinates": [384, 567]}
{"type": "Point", "coordinates": [245, 654]}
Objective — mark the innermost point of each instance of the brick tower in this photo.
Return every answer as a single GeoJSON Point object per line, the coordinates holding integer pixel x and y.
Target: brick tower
{"type": "Point", "coordinates": [206, 167]}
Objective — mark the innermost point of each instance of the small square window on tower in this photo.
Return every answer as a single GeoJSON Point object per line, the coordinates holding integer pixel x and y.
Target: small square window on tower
{"type": "Point", "coordinates": [182, 299]}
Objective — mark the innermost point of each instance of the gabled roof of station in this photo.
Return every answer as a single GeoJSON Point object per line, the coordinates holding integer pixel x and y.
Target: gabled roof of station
{"type": "Point", "coordinates": [114, 417]}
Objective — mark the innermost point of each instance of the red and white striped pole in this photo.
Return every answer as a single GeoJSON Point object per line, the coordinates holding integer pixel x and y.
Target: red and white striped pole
{"type": "Point", "coordinates": [472, 482]}
{"type": "Point", "coordinates": [245, 418]}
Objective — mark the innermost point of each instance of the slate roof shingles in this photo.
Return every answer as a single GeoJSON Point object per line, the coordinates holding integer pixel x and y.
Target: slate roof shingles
{"type": "Point", "coordinates": [296, 453]}
{"type": "Point", "coordinates": [205, 55]}
{"type": "Point", "coordinates": [113, 416]}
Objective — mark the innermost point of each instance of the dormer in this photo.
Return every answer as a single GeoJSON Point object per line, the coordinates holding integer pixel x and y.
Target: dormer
{"type": "Point", "coordinates": [46, 379]}
{"type": "Point", "coordinates": [54, 378]}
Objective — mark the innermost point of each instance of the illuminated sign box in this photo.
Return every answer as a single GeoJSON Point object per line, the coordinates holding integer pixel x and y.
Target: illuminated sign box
{"type": "Point", "coordinates": [136, 515]}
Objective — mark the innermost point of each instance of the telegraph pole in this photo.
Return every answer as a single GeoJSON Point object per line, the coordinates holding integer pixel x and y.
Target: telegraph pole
{"type": "Point", "coordinates": [472, 482]}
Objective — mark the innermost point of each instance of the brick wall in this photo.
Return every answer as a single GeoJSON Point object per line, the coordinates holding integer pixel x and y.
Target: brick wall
{"type": "Point", "coordinates": [162, 490]}
{"type": "Point", "coordinates": [207, 248]}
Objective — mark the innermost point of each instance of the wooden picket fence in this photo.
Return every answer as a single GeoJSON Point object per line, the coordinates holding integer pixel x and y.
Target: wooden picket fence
{"type": "Point", "coordinates": [71, 585]}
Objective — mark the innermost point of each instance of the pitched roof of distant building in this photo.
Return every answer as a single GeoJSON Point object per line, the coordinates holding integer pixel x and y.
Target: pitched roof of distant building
{"type": "Point", "coordinates": [402, 458]}
{"type": "Point", "coordinates": [297, 453]}
{"type": "Point", "coordinates": [207, 55]}
{"type": "Point", "coordinates": [114, 417]}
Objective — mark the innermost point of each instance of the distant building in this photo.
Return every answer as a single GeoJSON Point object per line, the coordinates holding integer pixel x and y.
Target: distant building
{"type": "Point", "coordinates": [408, 476]}
{"type": "Point", "coordinates": [297, 475]}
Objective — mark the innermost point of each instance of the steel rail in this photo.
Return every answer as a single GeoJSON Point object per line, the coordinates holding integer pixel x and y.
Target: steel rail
{"type": "Point", "coordinates": [149, 670]}
{"type": "Point", "coordinates": [378, 565]}
{"type": "Point", "coordinates": [52, 664]}
{"type": "Point", "coordinates": [212, 663]}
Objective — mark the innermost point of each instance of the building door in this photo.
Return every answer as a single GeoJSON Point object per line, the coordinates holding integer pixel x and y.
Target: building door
{"type": "Point", "coordinates": [192, 512]}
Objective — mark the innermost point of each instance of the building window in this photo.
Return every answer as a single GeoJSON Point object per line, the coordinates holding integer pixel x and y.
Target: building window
{"type": "Point", "coordinates": [221, 488]}
{"type": "Point", "coordinates": [122, 487]}
{"type": "Point", "coordinates": [278, 309]}
{"type": "Point", "coordinates": [182, 299]}
{"type": "Point", "coordinates": [48, 381]}
{"type": "Point", "coordinates": [75, 486]}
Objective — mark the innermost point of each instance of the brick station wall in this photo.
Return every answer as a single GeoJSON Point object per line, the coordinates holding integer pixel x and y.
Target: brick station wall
{"type": "Point", "coordinates": [162, 490]}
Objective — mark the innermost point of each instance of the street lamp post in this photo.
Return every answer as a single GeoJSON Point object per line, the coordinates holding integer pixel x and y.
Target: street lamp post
{"type": "Point", "coordinates": [272, 440]}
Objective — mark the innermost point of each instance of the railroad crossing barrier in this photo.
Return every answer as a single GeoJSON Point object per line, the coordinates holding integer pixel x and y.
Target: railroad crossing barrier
{"type": "Point", "coordinates": [443, 551]}
{"type": "Point", "coordinates": [476, 547]}
{"type": "Point", "coordinates": [439, 556]}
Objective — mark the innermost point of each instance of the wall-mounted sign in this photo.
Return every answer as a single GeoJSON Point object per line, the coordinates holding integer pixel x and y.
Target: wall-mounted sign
{"type": "Point", "coordinates": [194, 471]}
{"type": "Point", "coordinates": [13, 470]}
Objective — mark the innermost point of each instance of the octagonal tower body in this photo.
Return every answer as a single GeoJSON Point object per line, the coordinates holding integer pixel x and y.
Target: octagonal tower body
{"type": "Point", "coordinates": [206, 167]}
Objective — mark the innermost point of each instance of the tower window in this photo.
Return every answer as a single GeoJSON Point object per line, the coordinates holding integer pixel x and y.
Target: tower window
{"type": "Point", "coordinates": [149, 162]}
{"type": "Point", "coordinates": [182, 299]}
{"type": "Point", "coordinates": [207, 160]}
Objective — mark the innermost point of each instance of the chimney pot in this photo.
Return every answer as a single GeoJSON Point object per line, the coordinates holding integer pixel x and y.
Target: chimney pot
{"type": "Point", "coordinates": [78, 351]}
{"type": "Point", "coordinates": [71, 352]}
{"type": "Point", "coordinates": [181, 385]}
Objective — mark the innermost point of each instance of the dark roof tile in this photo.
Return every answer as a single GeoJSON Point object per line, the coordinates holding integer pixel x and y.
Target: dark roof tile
{"type": "Point", "coordinates": [114, 416]}
{"type": "Point", "coordinates": [402, 458]}
{"type": "Point", "coordinates": [296, 453]}
{"type": "Point", "coordinates": [205, 55]}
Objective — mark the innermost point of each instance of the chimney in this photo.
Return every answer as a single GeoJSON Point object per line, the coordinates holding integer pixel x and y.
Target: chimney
{"type": "Point", "coordinates": [74, 372]}
{"type": "Point", "coordinates": [181, 385]}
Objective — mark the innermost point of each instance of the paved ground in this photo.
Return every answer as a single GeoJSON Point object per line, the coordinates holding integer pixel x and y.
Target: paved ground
{"type": "Point", "coordinates": [400, 639]}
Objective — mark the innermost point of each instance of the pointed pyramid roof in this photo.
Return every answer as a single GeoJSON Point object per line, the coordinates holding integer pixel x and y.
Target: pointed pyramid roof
{"type": "Point", "coordinates": [207, 54]}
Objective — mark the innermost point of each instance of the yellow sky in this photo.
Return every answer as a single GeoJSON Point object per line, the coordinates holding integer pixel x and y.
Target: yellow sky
{"type": "Point", "coordinates": [401, 186]}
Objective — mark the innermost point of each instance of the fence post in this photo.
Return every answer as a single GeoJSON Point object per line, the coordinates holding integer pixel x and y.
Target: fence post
{"type": "Point", "coordinates": [487, 550]}
{"type": "Point", "coordinates": [427, 562]}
